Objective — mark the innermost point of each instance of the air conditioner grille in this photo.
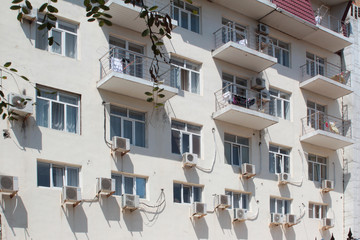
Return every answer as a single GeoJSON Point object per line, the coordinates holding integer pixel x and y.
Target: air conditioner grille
{"type": "Point", "coordinates": [285, 176]}
{"type": "Point", "coordinates": [130, 200]}
{"type": "Point", "coordinates": [106, 184]}
{"type": "Point", "coordinates": [7, 183]}
{"type": "Point", "coordinates": [329, 184]}
{"type": "Point", "coordinates": [190, 157]}
{"type": "Point", "coordinates": [276, 217]}
{"type": "Point", "coordinates": [249, 168]}
{"type": "Point", "coordinates": [224, 199]}
{"type": "Point", "coordinates": [240, 213]}
{"type": "Point", "coordinates": [18, 102]}
{"type": "Point", "coordinates": [120, 143]}
{"type": "Point", "coordinates": [199, 208]}
{"type": "Point", "coordinates": [71, 193]}
{"type": "Point", "coordinates": [291, 218]}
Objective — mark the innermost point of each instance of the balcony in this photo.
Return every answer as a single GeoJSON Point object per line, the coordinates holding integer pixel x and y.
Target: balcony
{"type": "Point", "coordinates": [325, 79]}
{"type": "Point", "coordinates": [249, 109]}
{"type": "Point", "coordinates": [326, 131]}
{"type": "Point", "coordinates": [127, 73]}
{"type": "Point", "coordinates": [242, 49]}
{"type": "Point", "coordinates": [127, 15]}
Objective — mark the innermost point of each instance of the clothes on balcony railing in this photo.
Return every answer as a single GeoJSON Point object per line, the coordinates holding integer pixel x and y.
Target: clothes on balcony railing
{"type": "Point", "coordinates": [243, 101]}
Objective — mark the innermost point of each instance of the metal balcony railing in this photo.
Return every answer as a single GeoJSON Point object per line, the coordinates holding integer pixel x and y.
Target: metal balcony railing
{"type": "Point", "coordinates": [329, 70]}
{"type": "Point", "coordinates": [246, 98]}
{"type": "Point", "coordinates": [322, 121]}
{"type": "Point", "coordinates": [332, 23]}
{"type": "Point", "coordinates": [133, 64]}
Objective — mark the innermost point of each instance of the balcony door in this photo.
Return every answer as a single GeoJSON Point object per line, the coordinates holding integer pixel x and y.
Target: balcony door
{"type": "Point", "coordinates": [233, 32]}
{"type": "Point", "coordinates": [316, 114]}
{"type": "Point", "coordinates": [314, 65]}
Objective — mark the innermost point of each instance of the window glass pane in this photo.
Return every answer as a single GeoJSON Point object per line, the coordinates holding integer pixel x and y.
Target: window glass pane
{"type": "Point", "coordinates": [193, 129]}
{"type": "Point", "coordinates": [287, 110]}
{"type": "Point", "coordinates": [43, 174]}
{"type": "Point", "coordinates": [177, 192]}
{"type": "Point", "coordinates": [279, 206]}
{"type": "Point", "coordinates": [197, 194]}
{"type": "Point", "coordinates": [317, 211]}
{"type": "Point", "coordinates": [236, 199]}
{"type": "Point", "coordinates": [227, 147]}
{"type": "Point", "coordinates": [175, 77]}
{"type": "Point", "coordinates": [42, 112]}
{"type": "Point", "coordinates": [115, 126]}
{"type": "Point", "coordinates": [70, 44]}
{"type": "Point", "coordinates": [57, 117]}
{"type": "Point", "coordinates": [278, 163]}
{"type": "Point", "coordinates": [117, 42]}
{"type": "Point", "coordinates": [56, 47]}
{"type": "Point", "coordinates": [178, 125]}
{"type": "Point", "coordinates": [184, 79]}
{"type": "Point", "coordinates": [236, 153]}
{"type": "Point", "coordinates": [323, 172]}
{"type": "Point", "coordinates": [272, 205]}
{"type": "Point", "coordinates": [118, 111]}
{"type": "Point", "coordinates": [137, 115]}
{"type": "Point", "coordinates": [68, 99]}
{"type": "Point", "coordinates": [272, 162]}
{"type": "Point", "coordinates": [230, 138]}
{"type": "Point", "coordinates": [72, 176]}
{"type": "Point", "coordinates": [245, 201]}
{"type": "Point", "coordinates": [186, 194]}
{"type": "Point", "coordinates": [141, 187]}
{"type": "Point", "coordinates": [47, 94]}
{"type": "Point", "coordinates": [136, 48]}
{"type": "Point", "coordinates": [175, 141]}
{"type": "Point", "coordinates": [176, 14]}
{"type": "Point", "coordinates": [245, 154]}
{"type": "Point", "coordinates": [287, 206]}
{"type": "Point", "coordinates": [196, 144]}
{"type": "Point", "coordinates": [273, 148]}
{"type": "Point", "coordinates": [129, 185]}
{"type": "Point", "coordinates": [71, 119]}
{"type": "Point", "coordinates": [57, 175]}
{"type": "Point", "coordinates": [195, 23]}
{"type": "Point", "coordinates": [185, 143]}
{"type": "Point", "coordinates": [128, 130]}
{"type": "Point", "coordinates": [139, 134]}
{"type": "Point", "coordinates": [68, 27]}
{"type": "Point", "coordinates": [323, 211]}
{"type": "Point", "coordinates": [243, 141]}
{"type": "Point", "coordinates": [195, 87]}
{"type": "Point", "coordinates": [316, 172]}
{"type": "Point", "coordinates": [278, 108]}
{"type": "Point", "coordinates": [311, 210]}
{"type": "Point", "coordinates": [310, 171]}
{"type": "Point", "coordinates": [184, 20]}
{"type": "Point", "coordinates": [118, 180]}
{"type": "Point", "coordinates": [286, 164]}
{"type": "Point", "coordinates": [41, 41]}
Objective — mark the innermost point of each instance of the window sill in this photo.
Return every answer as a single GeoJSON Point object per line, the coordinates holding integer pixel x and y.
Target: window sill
{"type": "Point", "coordinates": [56, 54]}
{"type": "Point", "coordinates": [62, 131]}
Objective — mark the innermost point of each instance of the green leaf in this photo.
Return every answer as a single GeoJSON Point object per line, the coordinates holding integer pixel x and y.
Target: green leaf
{"type": "Point", "coordinates": [91, 19]}
{"type": "Point", "coordinates": [159, 43]}
{"type": "Point", "coordinates": [4, 77]}
{"type": "Point", "coordinates": [101, 23]}
{"type": "Point", "coordinates": [15, 7]}
{"type": "Point", "coordinates": [51, 17]}
{"type": "Point", "coordinates": [52, 9]}
{"type": "Point", "coordinates": [159, 105]}
{"type": "Point", "coordinates": [13, 70]}
{"type": "Point", "coordinates": [161, 95]}
{"type": "Point", "coordinates": [150, 99]}
{"type": "Point", "coordinates": [25, 10]}
{"type": "Point", "coordinates": [19, 16]}
{"type": "Point", "coordinates": [17, 1]}
{"type": "Point", "coordinates": [155, 89]}
{"type": "Point", "coordinates": [25, 78]}
{"type": "Point", "coordinates": [107, 15]}
{"type": "Point", "coordinates": [105, 8]}
{"type": "Point", "coordinates": [42, 8]}
{"type": "Point", "coordinates": [148, 93]}
{"type": "Point", "coordinates": [86, 3]}
{"type": "Point", "coordinates": [8, 64]}
{"type": "Point", "coordinates": [28, 5]}
{"type": "Point", "coordinates": [107, 22]}
{"type": "Point", "coordinates": [143, 13]}
{"type": "Point", "coordinates": [2, 94]}
{"type": "Point", "coordinates": [42, 26]}
{"type": "Point", "coordinates": [145, 32]}
{"type": "Point", "coordinates": [168, 36]}
{"type": "Point", "coordinates": [54, 1]}
{"type": "Point", "coordinates": [51, 41]}
{"type": "Point", "coordinates": [160, 90]}
{"type": "Point", "coordinates": [4, 116]}
{"type": "Point", "coordinates": [153, 8]}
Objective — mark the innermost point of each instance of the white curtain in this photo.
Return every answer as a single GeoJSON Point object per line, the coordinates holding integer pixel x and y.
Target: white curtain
{"type": "Point", "coordinates": [195, 88]}
{"type": "Point", "coordinates": [58, 173]}
{"type": "Point", "coordinates": [70, 43]}
{"type": "Point", "coordinates": [73, 177]}
{"type": "Point", "coordinates": [56, 47]}
{"type": "Point", "coordinates": [71, 119]}
{"type": "Point", "coordinates": [42, 112]}
{"type": "Point", "coordinates": [57, 116]}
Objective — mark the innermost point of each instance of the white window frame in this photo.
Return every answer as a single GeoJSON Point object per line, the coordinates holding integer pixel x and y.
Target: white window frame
{"type": "Point", "coordinates": [315, 115]}
{"type": "Point", "coordinates": [275, 45]}
{"type": "Point", "coordinates": [189, 13]}
{"type": "Point", "coordinates": [279, 156]}
{"type": "Point", "coordinates": [132, 120]}
{"type": "Point", "coordinates": [320, 208]}
{"type": "Point", "coordinates": [278, 99]}
{"type": "Point", "coordinates": [236, 86]}
{"type": "Point", "coordinates": [176, 63]}
{"type": "Point", "coordinates": [65, 167]}
{"type": "Point", "coordinates": [318, 64]}
{"type": "Point", "coordinates": [280, 208]}
{"type": "Point", "coordinates": [134, 187]}
{"type": "Point", "coordinates": [185, 131]}
{"type": "Point", "coordinates": [192, 192]}
{"type": "Point", "coordinates": [57, 100]}
{"type": "Point", "coordinates": [63, 33]}
{"type": "Point", "coordinates": [319, 166]}
{"type": "Point", "coordinates": [233, 31]}
{"type": "Point", "coordinates": [232, 144]}
{"type": "Point", "coordinates": [240, 200]}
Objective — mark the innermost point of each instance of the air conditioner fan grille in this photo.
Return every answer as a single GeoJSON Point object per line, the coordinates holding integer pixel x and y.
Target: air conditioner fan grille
{"type": "Point", "coordinates": [7, 183]}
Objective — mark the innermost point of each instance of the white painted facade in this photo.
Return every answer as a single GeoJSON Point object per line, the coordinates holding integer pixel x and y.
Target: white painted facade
{"type": "Point", "coordinates": [37, 213]}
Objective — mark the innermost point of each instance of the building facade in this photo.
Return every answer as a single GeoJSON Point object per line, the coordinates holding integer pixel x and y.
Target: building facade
{"type": "Point", "coordinates": [258, 124]}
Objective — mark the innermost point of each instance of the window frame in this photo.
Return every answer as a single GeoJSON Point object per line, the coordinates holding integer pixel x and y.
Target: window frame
{"type": "Point", "coordinates": [275, 99]}
{"type": "Point", "coordinates": [50, 101]}
{"type": "Point", "coordinates": [282, 155]}
{"type": "Point", "coordinates": [240, 201]}
{"type": "Point", "coordinates": [275, 46]}
{"type": "Point", "coordinates": [318, 63]}
{"type": "Point", "coordinates": [175, 63]}
{"type": "Point", "coordinates": [188, 13]}
{"type": "Point", "coordinates": [186, 132]}
{"type": "Point", "coordinates": [240, 145]}
{"type": "Point", "coordinates": [232, 30]}
{"type": "Point", "coordinates": [285, 207]}
{"type": "Point", "coordinates": [64, 176]}
{"type": "Point", "coordinates": [192, 192]}
{"type": "Point", "coordinates": [321, 208]}
{"type": "Point", "coordinates": [319, 167]}
{"type": "Point", "coordinates": [235, 86]}
{"type": "Point", "coordinates": [135, 184]}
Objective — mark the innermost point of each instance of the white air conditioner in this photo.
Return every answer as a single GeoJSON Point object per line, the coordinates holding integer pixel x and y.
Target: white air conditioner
{"type": "Point", "coordinates": [189, 159]}
{"type": "Point", "coordinates": [8, 184]}
{"type": "Point", "coordinates": [327, 185]}
{"type": "Point", "coordinates": [120, 144]}
{"type": "Point", "coordinates": [106, 185]}
{"type": "Point", "coordinates": [327, 223]}
{"type": "Point", "coordinates": [265, 95]}
{"type": "Point", "coordinates": [248, 170]}
{"type": "Point", "coordinates": [257, 83]}
{"type": "Point", "coordinates": [240, 214]}
{"type": "Point", "coordinates": [198, 209]}
{"type": "Point", "coordinates": [31, 16]}
{"type": "Point", "coordinates": [264, 42]}
{"type": "Point", "coordinates": [130, 201]}
{"type": "Point", "coordinates": [263, 29]}
{"type": "Point", "coordinates": [19, 104]}
{"type": "Point", "coordinates": [222, 201]}
{"type": "Point", "coordinates": [71, 194]}
{"type": "Point", "coordinates": [284, 178]}
{"type": "Point", "coordinates": [290, 220]}
{"type": "Point", "coordinates": [276, 218]}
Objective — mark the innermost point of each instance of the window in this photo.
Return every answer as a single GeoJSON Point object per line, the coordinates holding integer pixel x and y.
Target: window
{"type": "Point", "coordinates": [129, 185]}
{"type": "Point", "coordinates": [234, 32]}
{"type": "Point", "coordinates": [236, 149]}
{"type": "Point", "coordinates": [185, 75]}
{"type": "Point", "coordinates": [278, 205]}
{"type": "Point", "coordinates": [280, 50]}
{"type": "Point", "coordinates": [279, 104]}
{"type": "Point", "coordinates": [128, 124]}
{"type": "Point", "coordinates": [235, 85]}
{"type": "Point", "coordinates": [317, 211]}
{"type": "Point", "coordinates": [57, 175]}
{"type": "Point", "coordinates": [58, 110]}
{"type": "Point", "coordinates": [64, 35]}
{"type": "Point", "coordinates": [185, 137]}
{"type": "Point", "coordinates": [238, 200]}
{"type": "Point", "coordinates": [317, 168]}
{"type": "Point", "coordinates": [279, 158]}
{"type": "Point", "coordinates": [316, 115]}
{"type": "Point", "coordinates": [314, 65]}
{"type": "Point", "coordinates": [187, 15]}
{"type": "Point", "coordinates": [184, 193]}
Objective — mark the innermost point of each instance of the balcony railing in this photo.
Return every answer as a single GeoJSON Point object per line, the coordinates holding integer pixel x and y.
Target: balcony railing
{"type": "Point", "coordinates": [130, 63]}
{"type": "Point", "coordinates": [247, 99]}
{"type": "Point", "coordinates": [332, 23]}
{"type": "Point", "coordinates": [329, 70]}
{"type": "Point", "coordinates": [322, 121]}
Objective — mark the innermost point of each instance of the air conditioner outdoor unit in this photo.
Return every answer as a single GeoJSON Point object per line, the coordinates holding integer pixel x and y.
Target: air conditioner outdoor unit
{"type": "Point", "coordinates": [276, 219]}
{"type": "Point", "coordinates": [130, 201]}
{"type": "Point", "coordinates": [106, 185]}
{"type": "Point", "coordinates": [327, 185]}
{"type": "Point", "coordinates": [71, 195]}
{"type": "Point", "coordinates": [31, 16]}
{"type": "Point", "coordinates": [19, 104]}
{"type": "Point", "coordinates": [248, 170]}
{"type": "Point", "coordinates": [265, 95]}
{"type": "Point", "coordinates": [8, 184]}
{"type": "Point", "coordinates": [290, 220]}
{"type": "Point", "coordinates": [257, 83]}
{"type": "Point", "coordinates": [189, 159]}
{"type": "Point", "coordinates": [263, 29]}
{"type": "Point", "coordinates": [222, 201]}
{"type": "Point", "coordinates": [120, 144]}
{"type": "Point", "coordinates": [284, 178]}
{"type": "Point", "coordinates": [327, 223]}
{"type": "Point", "coordinates": [198, 209]}
{"type": "Point", "coordinates": [240, 215]}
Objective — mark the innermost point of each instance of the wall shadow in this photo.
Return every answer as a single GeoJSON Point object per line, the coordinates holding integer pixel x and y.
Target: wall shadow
{"type": "Point", "coordinates": [200, 227]}
{"type": "Point", "coordinates": [76, 218]}
{"type": "Point", "coordinates": [133, 221]}
{"type": "Point", "coordinates": [224, 219]}
{"type": "Point", "coordinates": [27, 134]}
{"type": "Point", "coordinates": [110, 208]}
{"type": "Point", "coordinates": [241, 230]}
{"type": "Point", "coordinates": [289, 233]}
{"type": "Point", "coordinates": [191, 175]}
{"type": "Point", "coordinates": [15, 212]}
{"type": "Point", "coordinates": [276, 232]}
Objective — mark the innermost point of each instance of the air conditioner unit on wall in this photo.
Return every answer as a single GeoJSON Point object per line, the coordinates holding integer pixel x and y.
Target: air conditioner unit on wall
{"type": "Point", "coordinates": [327, 185]}
{"type": "Point", "coordinates": [276, 219]}
{"type": "Point", "coordinates": [240, 215]}
{"type": "Point", "coordinates": [20, 104]}
{"type": "Point", "coordinates": [120, 144]}
{"type": "Point", "coordinates": [189, 159]}
{"type": "Point", "coordinates": [258, 83]}
{"type": "Point", "coordinates": [248, 170]}
{"type": "Point", "coordinates": [71, 195]}
{"type": "Point", "coordinates": [263, 29]}
{"type": "Point", "coordinates": [327, 223]}
{"type": "Point", "coordinates": [198, 209]}
{"type": "Point", "coordinates": [222, 201]}
{"type": "Point", "coordinates": [284, 178]}
{"type": "Point", "coordinates": [8, 184]}
{"type": "Point", "coordinates": [130, 201]}
{"type": "Point", "coordinates": [290, 220]}
{"type": "Point", "coordinates": [106, 185]}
